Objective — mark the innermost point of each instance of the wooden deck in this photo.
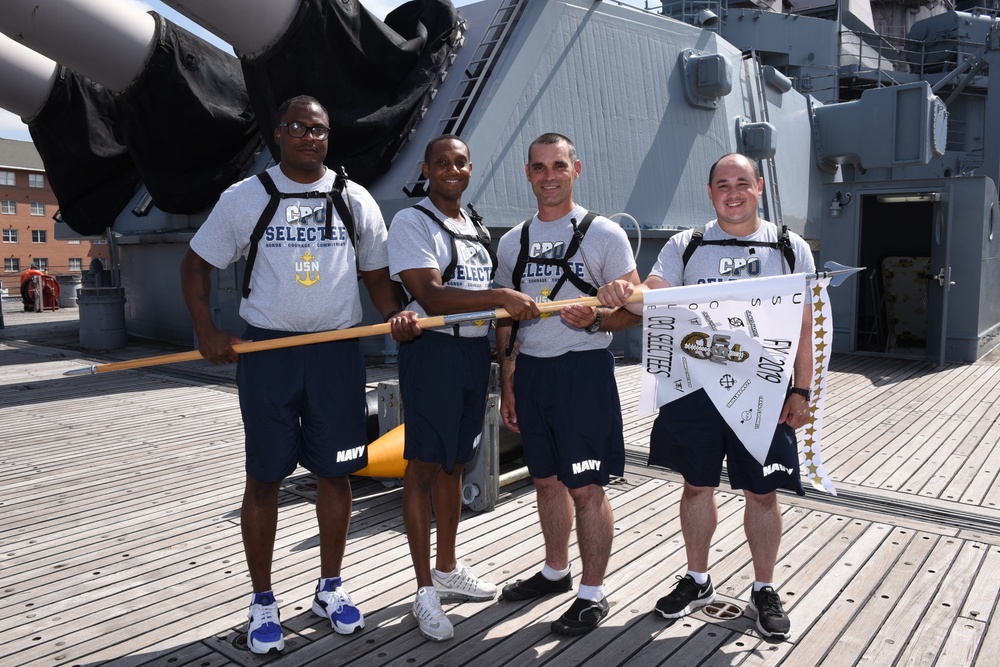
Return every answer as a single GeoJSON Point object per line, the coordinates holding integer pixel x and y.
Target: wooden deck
{"type": "Point", "coordinates": [119, 532]}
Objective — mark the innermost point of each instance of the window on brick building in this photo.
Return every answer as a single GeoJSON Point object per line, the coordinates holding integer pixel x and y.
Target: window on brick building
{"type": "Point", "coordinates": [8, 207]}
{"type": "Point", "coordinates": [10, 236]}
{"type": "Point", "coordinates": [11, 264]}
{"type": "Point", "coordinates": [38, 236]}
{"type": "Point", "coordinates": [37, 208]}
{"type": "Point", "coordinates": [76, 264]}
{"type": "Point", "coordinates": [7, 178]}
{"type": "Point", "coordinates": [36, 180]}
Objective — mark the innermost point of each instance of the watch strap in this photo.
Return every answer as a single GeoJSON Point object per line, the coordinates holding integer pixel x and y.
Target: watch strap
{"type": "Point", "coordinates": [596, 326]}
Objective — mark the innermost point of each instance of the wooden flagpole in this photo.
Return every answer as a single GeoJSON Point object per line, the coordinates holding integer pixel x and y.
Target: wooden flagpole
{"type": "Point", "coordinates": [334, 335]}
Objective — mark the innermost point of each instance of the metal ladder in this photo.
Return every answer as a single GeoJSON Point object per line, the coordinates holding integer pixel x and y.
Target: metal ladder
{"type": "Point", "coordinates": [481, 66]}
{"type": "Point", "coordinates": [476, 75]}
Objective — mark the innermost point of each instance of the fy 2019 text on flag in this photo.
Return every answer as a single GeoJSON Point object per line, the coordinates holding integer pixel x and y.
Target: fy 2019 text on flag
{"type": "Point", "coordinates": [737, 340]}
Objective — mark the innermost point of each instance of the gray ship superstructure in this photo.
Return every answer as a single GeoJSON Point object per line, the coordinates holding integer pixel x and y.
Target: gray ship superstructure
{"type": "Point", "coordinates": [870, 122]}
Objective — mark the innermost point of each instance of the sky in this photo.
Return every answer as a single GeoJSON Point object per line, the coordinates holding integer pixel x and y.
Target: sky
{"type": "Point", "coordinates": [11, 126]}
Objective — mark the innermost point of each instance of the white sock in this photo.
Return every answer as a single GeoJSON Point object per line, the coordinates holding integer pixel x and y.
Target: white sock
{"type": "Point", "coordinates": [592, 593]}
{"type": "Point", "coordinates": [553, 574]}
{"type": "Point", "coordinates": [757, 585]}
{"type": "Point", "coordinates": [700, 578]}
{"type": "Point", "coordinates": [444, 574]}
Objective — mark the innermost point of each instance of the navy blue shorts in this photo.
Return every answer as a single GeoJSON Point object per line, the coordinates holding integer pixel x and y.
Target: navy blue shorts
{"type": "Point", "coordinates": [304, 406]}
{"type": "Point", "coordinates": [570, 417]}
{"type": "Point", "coordinates": [690, 436]}
{"type": "Point", "coordinates": [444, 382]}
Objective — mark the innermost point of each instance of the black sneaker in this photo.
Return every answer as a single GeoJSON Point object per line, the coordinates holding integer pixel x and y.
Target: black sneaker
{"type": "Point", "coordinates": [536, 587]}
{"type": "Point", "coordinates": [772, 621]}
{"type": "Point", "coordinates": [582, 617]}
{"type": "Point", "coordinates": [685, 598]}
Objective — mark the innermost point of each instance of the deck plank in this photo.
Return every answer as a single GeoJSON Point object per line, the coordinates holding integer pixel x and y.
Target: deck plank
{"type": "Point", "coordinates": [124, 489]}
{"type": "Point", "coordinates": [865, 602]}
{"type": "Point", "coordinates": [926, 643]}
{"type": "Point", "coordinates": [906, 618]}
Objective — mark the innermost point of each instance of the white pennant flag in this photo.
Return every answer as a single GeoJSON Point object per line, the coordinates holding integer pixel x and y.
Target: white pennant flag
{"type": "Point", "coordinates": [736, 340]}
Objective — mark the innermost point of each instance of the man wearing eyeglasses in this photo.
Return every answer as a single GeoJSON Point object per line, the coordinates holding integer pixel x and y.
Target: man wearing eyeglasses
{"type": "Point", "coordinates": [300, 405]}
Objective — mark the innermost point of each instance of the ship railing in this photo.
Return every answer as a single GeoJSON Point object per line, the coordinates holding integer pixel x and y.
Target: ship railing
{"type": "Point", "coordinates": [993, 12]}
{"type": "Point", "coordinates": [824, 86]}
{"type": "Point", "coordinates": [891, 60]}
{"type": "Point", "coordinates": [958, 135]}
{"type": "Point", "coordinates": [706, 14]}
{"type": "Point", "coordinates": [971, 163]}
{"type": "Point", "coordinates": [881, 60]}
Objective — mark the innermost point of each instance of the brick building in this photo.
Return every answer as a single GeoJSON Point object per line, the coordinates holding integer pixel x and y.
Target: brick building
{"type": "Point", "coordinates": [27, 210]}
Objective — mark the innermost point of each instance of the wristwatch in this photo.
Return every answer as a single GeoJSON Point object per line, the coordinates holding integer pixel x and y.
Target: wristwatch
{"type": "Point", "coordinates": [805, 393]}
{"type": "Point", "coordinates": [596, 326]}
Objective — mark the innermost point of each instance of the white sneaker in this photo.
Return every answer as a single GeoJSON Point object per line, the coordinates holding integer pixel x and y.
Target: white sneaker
{"type": "Point", "coordinates": [334, 603]}
{"type": "Point", "coordinates": [264, 627]}
{"type": "Point", "coordinates": [462, 585]}
{"type": "Point", "coordinates": [427, 610]}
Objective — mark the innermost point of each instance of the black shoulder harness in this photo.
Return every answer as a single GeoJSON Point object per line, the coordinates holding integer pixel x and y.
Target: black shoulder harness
{"type": "Point", "coordinates": [563, 262]}
{"type": "Point", "coordinates": [482, 237]}
{"type": "Point", "coordinates": [784, 243]}
{"type": "Point", "coordinates": [335, 199]}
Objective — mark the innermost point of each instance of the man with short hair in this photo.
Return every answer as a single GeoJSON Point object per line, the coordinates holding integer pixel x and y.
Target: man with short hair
{"type": "Point", "coordinates": [559, 386]}
{"type": "Point", "coordinates": [690, 435]}
{"type": "Point", "coordinates": [441, 255]}
{"type": "Point", "coordinates": [300, 405]}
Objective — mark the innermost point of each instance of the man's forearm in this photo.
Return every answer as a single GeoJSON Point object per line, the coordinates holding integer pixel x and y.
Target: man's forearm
{"type": "Point", "coordinates": [506, 361]}
{"type": "Point", "coordinates": [618, 319]}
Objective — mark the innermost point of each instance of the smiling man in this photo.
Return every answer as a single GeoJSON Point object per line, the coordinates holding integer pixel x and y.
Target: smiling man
{"type": "Point", "coordinates": [300, 405]}
{"type": "Point", "coordinates": [689, 435]}
{"type": "Point", "coordinates": [442, 256]}
{"type": "Point", "coordinates": [559, 386]}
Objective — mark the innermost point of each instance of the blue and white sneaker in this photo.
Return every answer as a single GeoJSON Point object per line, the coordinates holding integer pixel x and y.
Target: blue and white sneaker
{"type": "Point", "coordinates": [334, 603]}
{"type": "Point", "coordinates": [264, 626]}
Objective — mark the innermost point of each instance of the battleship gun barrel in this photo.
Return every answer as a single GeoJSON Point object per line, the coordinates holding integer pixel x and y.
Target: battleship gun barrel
{"type": "Point", "coordinates": [175, 104]}
{"type": "Point", "coordinates": [250, 26]}
{"type": "Point", "coordinates": [26, 78]}
{"type": "Point", "coordinates": [76, 33]}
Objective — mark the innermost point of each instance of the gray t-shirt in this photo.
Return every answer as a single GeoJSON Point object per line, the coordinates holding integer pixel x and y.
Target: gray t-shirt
{"type": "Point", "coordinates": [417, 242]}
{"type": "Point", "coordinates": [605, 255]}
{"type": "Point", "coordinates": [300, 281]}
{"type": "Point", "coordinates": [717, 263]}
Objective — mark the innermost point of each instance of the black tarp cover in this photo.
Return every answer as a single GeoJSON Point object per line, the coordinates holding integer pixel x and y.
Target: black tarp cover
{"type": "Point", "coordinates": [371, 76]}
{"type": "Point", "coordinates": [90, 172]}
{"type": "Point", "coordinates": [187, 121]}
